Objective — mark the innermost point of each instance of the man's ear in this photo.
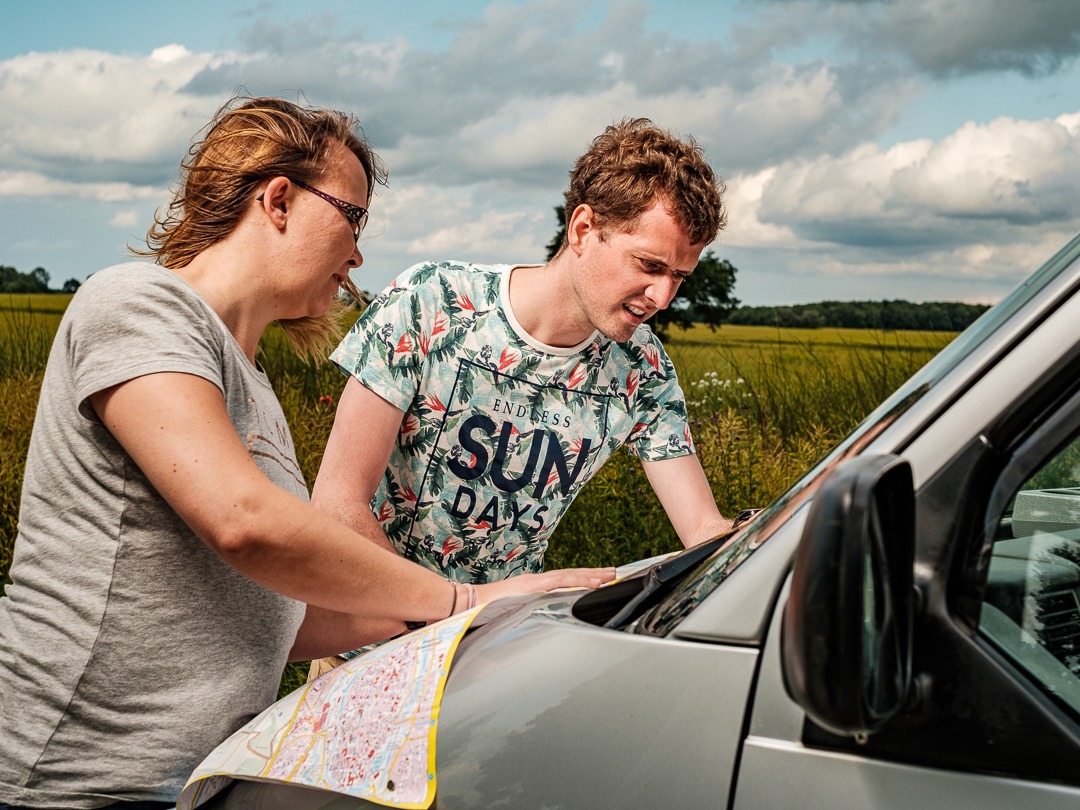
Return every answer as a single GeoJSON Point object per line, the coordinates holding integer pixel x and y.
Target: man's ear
{"type": "Point", "coordinates": [579, 227]}
{"type": "Point", "coordinates": [275, 199]}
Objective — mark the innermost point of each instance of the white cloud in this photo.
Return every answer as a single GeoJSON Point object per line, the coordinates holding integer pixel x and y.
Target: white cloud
{"type": "Point", "coordinates": [940, 38]}
{"type": "Point", "coordinates": [1071, 122]}
{"type": "Point", "coordinates": [982, 177]}
{"type": "Point", "coordinates": [480, 134]}
{"type": "Point", "coordinates": [35, 184]}
{"type": "Point", "coordinates": [528, 138]}
{"type": "Point", "coordinates": [950, 37]}
{"type": "Point", "coordinates": [170, 54]}
{"type": "Point", "coordinates": [66, 113]}
{"type": "Point", "coordinates": [745, 227]}
{"type": "Point", "coordinates": [427, 222]}
{"type": "Point", "coordinates": [125, 219]}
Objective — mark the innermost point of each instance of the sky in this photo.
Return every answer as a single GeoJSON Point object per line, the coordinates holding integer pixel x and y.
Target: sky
{"type": "Point", "coordinates": [871, 149]}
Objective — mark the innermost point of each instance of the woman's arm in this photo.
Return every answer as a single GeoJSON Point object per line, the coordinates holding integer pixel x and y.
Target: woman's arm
{"type": "Point", "coordinates": [176, 429]}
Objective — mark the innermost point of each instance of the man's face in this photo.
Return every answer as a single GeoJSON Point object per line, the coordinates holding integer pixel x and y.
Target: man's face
{"type": "Point", "coordinates": [625, 277]}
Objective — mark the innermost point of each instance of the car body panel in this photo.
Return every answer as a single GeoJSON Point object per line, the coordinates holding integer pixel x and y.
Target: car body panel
{"type": "Point", "coordinates": [633, 702]}
{"type": "Point", "coordinates": [687, 707]}
{"type": "Point", "coordinates": [832, 781]}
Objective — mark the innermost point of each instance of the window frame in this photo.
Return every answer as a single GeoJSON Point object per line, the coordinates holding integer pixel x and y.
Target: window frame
{"type": "Point", "coordinates": [967, 695]}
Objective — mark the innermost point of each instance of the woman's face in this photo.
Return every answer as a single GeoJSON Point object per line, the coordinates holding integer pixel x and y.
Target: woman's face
{"type": "Point", "coordinates": [327, 248]}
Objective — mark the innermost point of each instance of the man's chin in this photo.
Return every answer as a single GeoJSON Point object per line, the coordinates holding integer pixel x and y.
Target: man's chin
{"type": "Point", "coordinates": [620, 334]}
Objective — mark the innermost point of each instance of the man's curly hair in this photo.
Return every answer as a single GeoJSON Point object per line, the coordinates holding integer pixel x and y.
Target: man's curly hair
{"type": "Point", "coordinates": [634, 163]}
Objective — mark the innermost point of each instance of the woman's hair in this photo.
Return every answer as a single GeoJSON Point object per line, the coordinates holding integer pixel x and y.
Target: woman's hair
{"type": "Point", "coordinates": [631, 165]}
{"type": "Point", "coordinates": [249, 141]}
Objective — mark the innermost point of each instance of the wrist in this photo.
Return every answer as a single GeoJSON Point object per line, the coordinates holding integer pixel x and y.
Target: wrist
{"type": "Point", "coordinates": [454, 603]}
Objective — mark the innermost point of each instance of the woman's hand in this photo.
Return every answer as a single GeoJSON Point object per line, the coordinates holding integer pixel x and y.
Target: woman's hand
{"type": "Point", "coordinates": [534, 583]}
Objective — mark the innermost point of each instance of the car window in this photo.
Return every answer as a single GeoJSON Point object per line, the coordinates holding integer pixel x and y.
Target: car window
{"type": "Point", "coordinates": [696, 587]}
{"type": "Point", "coordinates": [1031, 610]}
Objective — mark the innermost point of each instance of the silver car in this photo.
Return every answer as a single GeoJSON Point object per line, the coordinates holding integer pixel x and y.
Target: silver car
{"type": "Point", "coordinates": [900, 629]}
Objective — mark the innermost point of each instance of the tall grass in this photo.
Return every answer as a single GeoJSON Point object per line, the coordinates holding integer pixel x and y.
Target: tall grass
{"type": "Point", "coordinates": [19, 393]}
{"type": "Point", "coordinates": [764, 405]}
{"type": "Point", "coordinates": [27, 326]}
{"type": "Point", "coordinates": [308, 393]}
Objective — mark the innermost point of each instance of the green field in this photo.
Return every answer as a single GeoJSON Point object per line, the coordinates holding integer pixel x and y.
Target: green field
{"type": "Point", "coordinates": [764, 404]}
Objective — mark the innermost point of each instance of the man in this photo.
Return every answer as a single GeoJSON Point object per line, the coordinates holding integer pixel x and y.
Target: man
{"type": "Point", "coordinates": [481, 399]}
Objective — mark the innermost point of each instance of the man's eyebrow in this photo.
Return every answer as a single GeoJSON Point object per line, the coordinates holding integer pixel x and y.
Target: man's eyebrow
{"type": "Point", "coordinates": [664, 265]}
{"type": "Point", "coordinates": [654, 260]}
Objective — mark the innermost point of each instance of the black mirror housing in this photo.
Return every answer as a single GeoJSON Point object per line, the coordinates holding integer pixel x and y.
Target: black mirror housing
{"type": "Point", "coordinates": [846, 629]}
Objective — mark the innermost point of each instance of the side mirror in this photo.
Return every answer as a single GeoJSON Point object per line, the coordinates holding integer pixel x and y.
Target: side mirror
{"type": "Point", "coordinates": [846, 629]}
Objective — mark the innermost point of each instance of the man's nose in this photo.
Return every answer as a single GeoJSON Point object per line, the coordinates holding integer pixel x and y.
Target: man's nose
{"type": "Point", "coordinates": [662, 291]}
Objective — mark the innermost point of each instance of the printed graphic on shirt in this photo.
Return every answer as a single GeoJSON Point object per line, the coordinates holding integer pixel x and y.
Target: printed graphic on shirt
{"type": "Point", "coordinates": [498, 436]}
{"type": "Point", "coordinates": [510, 457]}
{"type": "Point", "coordinates": [270, 445]}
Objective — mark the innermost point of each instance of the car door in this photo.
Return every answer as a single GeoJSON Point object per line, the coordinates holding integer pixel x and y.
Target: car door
{"type": "Point", "coordinates": [993, 719]}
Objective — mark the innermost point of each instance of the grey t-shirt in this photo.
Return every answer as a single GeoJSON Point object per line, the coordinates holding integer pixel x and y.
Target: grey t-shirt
{"type": "Point", "coordinates": [128, 649]}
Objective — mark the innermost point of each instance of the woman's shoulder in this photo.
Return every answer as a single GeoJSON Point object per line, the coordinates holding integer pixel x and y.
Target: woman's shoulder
{"type": "Point", "coordinates": [133, 276]}
{"type": "Point", "coordinates": [134, 284]}
{"type": "Point", "coordinates": [138, 297]}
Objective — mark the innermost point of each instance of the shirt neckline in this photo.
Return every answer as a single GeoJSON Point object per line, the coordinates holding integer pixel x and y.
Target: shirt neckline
{"type": "Point", "coordinates": [519, 330]}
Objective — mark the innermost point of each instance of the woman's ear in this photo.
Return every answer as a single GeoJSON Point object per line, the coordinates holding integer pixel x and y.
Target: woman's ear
{"type": "Point", "coordinates": [275, 199]}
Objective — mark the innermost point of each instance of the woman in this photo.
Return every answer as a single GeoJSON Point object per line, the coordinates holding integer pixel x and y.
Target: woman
{"type": "Point", "coordinates": [168, 562]}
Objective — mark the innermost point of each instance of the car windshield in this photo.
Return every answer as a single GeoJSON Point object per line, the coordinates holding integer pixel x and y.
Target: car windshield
{"type": "Point", "coordinates": [715, 570]}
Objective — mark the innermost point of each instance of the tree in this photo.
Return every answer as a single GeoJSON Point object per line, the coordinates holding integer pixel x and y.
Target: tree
{"type": "Point", "coordinates": [12, 281]}
{"type": "Point", "coordinates": [557, 240]}
{"type": "Point", "coordinates": [71, 285]}
{"type": "Point", "coordinates": [705, 297]}
{"type": "Point", "coordinates": [949, 316]}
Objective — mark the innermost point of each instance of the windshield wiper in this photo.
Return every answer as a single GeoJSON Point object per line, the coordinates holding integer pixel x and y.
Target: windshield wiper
{"type": "Point", "coordinates": [662, 578]}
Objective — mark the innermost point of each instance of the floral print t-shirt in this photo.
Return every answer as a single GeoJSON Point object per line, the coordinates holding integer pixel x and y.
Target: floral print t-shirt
{"type": "Point", "coordinates": [500, 431]}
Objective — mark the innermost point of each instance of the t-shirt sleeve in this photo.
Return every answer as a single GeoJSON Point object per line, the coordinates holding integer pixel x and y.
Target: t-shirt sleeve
{"type": "Point", "coordinates": [662, 430]}
{"type": "Point", "coordinates": [385, 349]}
{"type": "Point", "coordinates": [132, 322]}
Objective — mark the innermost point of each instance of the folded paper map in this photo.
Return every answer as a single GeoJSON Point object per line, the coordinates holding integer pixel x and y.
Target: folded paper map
{"type": "Point", "coordinates": [366, 728]}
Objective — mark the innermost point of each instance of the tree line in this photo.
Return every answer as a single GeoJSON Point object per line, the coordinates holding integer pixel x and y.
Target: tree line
{"type": "Point", "coordinates": [940, 316]}
{"type": "Point", "coordinates": [36, 281]}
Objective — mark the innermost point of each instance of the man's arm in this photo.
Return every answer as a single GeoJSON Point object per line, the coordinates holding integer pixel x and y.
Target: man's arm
{"type": "Point", "coordinates": [357, 452]}
{"type": "Point", "coordinates": [684, 492]}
